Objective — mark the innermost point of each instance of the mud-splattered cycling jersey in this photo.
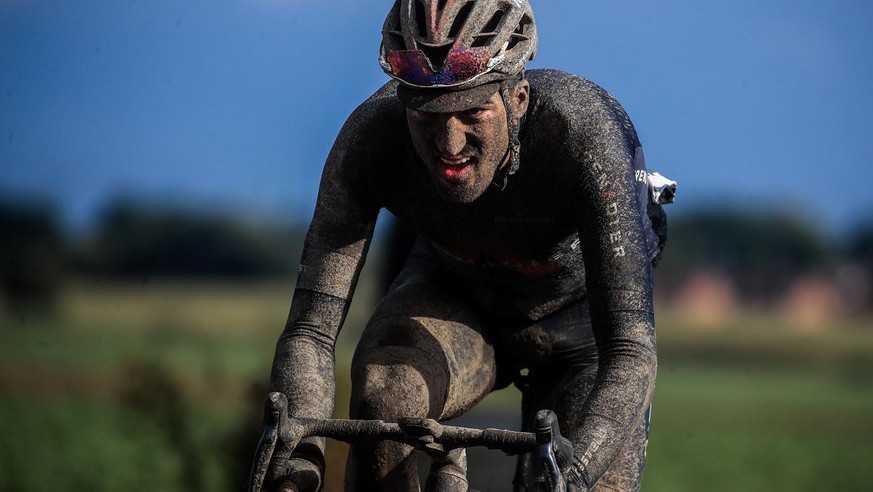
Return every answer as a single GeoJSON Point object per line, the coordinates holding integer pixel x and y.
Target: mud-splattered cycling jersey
{"type": "Point", "coordinates": [569, 225]}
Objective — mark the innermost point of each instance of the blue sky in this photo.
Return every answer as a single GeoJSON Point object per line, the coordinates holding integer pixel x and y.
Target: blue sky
{"type": "Point", "coordinates": [236, 103]}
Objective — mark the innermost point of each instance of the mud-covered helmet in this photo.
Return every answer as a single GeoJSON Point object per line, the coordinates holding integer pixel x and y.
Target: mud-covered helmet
{"type": "Point", "coordinates": [440, 46]}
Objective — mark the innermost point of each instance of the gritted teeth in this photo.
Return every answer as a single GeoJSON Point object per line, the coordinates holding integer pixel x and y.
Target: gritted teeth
{"type": "Point", "coordinates": [455, 161]}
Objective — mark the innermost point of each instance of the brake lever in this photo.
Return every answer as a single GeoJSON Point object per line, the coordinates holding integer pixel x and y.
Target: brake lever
{"type": "Point", "coordinates": [554, 450]}
{"type": "Point", "coordinates": [277, 428]}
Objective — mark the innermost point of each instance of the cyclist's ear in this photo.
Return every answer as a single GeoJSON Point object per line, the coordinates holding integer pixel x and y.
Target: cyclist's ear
{"type": "Point", "coordinates": [520, 98]}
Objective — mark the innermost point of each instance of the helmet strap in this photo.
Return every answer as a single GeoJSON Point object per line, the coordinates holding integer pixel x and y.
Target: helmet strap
{"type": "Point", "coordinates": [514, 148]}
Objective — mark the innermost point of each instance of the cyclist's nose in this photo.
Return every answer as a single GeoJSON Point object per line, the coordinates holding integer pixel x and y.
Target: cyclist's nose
{"type": "Point", "coordinates": [451, 136]}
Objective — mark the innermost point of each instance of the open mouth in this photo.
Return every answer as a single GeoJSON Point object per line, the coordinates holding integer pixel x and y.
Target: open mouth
{"type": "Point", "coordinates": [455, 170]}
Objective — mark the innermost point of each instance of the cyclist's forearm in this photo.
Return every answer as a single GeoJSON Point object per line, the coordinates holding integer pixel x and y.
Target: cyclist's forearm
{"type": "Point", "coordinates": [303, 367]}
{"type": "Point", "coordinates": [623, 392]}
{"type": "Point", "coordinates": [305, 373]}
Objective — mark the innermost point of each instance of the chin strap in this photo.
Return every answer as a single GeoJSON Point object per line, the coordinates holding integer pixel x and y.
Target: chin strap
{"type": "Point", "coordinates": [514, 149]}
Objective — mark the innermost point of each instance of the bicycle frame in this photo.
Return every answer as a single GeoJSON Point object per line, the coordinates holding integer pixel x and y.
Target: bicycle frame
{"type": "Point", "coordinates": [547, 446]}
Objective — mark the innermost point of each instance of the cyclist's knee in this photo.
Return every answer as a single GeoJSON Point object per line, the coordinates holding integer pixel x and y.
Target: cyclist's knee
{"type": "Point", "coordinates": [396, 381]}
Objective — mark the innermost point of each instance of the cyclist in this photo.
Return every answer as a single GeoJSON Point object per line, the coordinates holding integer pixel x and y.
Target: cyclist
{"type": "Point", "coordinates": [533, 264]}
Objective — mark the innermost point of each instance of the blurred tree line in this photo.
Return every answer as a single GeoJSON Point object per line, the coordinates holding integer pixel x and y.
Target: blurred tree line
{"type": "Point", "coordinates": [761, 254]}
{"type": "Point", "coordinates": [135, 240]}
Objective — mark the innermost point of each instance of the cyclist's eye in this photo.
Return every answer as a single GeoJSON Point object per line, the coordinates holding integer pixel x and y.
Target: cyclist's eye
{"type": "Point", "coordinates": [422, 115]}
{"type": "Point", "coordinates": [474, 112]}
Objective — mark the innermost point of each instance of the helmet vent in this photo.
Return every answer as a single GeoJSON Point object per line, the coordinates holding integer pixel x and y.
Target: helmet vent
{"type": "Point", "coordinates": [489, 32]}
{"type": "Point", "coordinates": [491, 27]}
{"type": "Point", "coordinates": [441, 5]}
{"type": "Point", "coordinates": [436, 54]}
{"type": "Point", "coordinates": [520, 33]}
{"type": "Point", "coordinates": [397, 27]}
{"type": "Point", "coordinates": [481, 40]}
{"type": "Point", "coordinates": [460, 19]}
{"type": "Point", "coordinates": [420, 20]}
{"type": "Point", "coordinates": [397, 38]}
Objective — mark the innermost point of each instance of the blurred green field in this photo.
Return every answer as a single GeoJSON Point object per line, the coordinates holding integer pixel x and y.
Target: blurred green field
{"type": "Point", "coordinates": [156, 386]}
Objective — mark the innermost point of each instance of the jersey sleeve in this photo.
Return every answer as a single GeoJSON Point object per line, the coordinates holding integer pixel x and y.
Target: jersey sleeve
{"type": "Point", "coordinates": [607, 198]}
{"type": "Point", "coordinates": [335, 248]}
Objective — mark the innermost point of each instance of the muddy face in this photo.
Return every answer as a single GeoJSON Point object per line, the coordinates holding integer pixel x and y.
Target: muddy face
{"type": "Point", "coordinates": [463, 150]}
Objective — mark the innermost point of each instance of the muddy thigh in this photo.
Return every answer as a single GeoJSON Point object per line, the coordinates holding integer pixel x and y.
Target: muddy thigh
{"type": "Point", "coordinates": [424, 345]}
{"type": "Point", "coordinates": [422, 354]}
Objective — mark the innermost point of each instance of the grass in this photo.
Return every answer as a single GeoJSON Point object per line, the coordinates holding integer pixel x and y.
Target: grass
{"type": "Point", "coordinates": [722, 429]}
{"type": "Point", "coordinates": [89, 444]}
{"type": "Point", "coordinates": [758, 405]}
{"type": "Point", "coordinates": [157, 387]}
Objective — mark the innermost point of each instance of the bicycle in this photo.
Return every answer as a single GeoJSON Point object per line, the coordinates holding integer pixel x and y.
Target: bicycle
{"type": "Point", "coordinates": [549, 450]}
